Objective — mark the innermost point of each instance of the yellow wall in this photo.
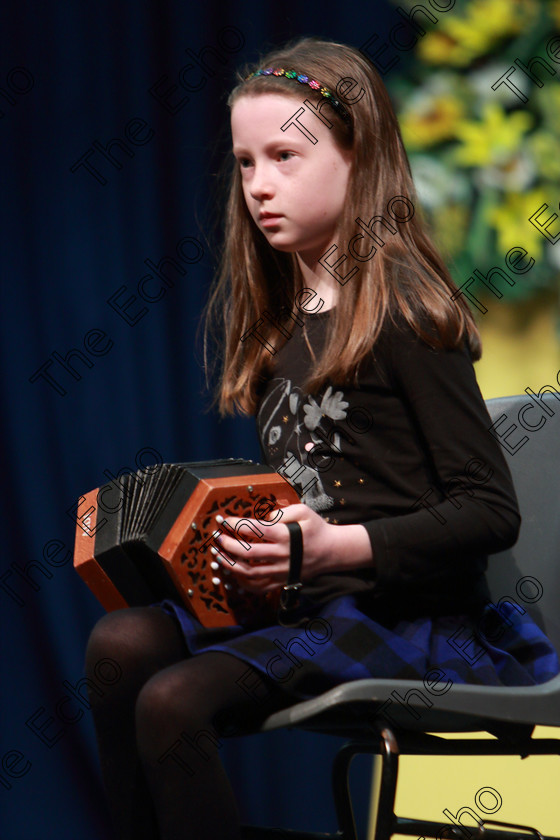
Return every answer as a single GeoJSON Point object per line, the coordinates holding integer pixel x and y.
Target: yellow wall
{"type": "Point", "coordinates": [529, 787]}
{"type": "Point", "coordinates": [521, 348]}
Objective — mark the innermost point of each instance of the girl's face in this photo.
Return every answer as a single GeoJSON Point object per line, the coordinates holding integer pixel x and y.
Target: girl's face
{"type": "Point", "coordinates": [300, 184]}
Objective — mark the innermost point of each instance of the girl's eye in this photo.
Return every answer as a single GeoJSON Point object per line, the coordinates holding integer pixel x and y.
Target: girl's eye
{"type": "Point", "coordinates": [245, 163]}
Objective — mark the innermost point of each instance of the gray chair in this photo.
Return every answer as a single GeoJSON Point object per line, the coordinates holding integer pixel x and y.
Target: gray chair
{"type": "Point", "coordinates": [529, 575]}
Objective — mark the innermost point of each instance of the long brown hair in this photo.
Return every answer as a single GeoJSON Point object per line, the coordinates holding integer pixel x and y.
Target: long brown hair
{"type": "Point", "coordinates": [405, 274]}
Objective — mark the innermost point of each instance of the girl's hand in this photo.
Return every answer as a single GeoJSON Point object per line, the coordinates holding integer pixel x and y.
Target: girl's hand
{"type": "Point", "coordinates": [326, 547]}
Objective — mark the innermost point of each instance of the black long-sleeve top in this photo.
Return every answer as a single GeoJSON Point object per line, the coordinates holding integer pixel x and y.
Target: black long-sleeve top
{"type": "Point", "coordinates": [409, 455]}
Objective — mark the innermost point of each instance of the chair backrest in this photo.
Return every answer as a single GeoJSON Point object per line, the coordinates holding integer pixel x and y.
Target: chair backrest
{"type": "Point", "coordinates": [529, 573]}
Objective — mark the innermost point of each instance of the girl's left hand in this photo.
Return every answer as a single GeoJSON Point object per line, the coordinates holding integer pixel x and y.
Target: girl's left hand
{"type": "Point", "coordinates": [319, 540]}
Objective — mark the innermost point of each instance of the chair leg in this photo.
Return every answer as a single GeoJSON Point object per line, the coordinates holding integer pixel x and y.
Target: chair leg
{"type": "Point", "coordinates": [385, 827]}
{"type": "Point", "coordinates": [388, 748]}
{"type": "Point", "coordinates": [341, 790]}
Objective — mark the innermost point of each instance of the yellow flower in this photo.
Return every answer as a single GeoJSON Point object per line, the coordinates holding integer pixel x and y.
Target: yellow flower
{"type": "Point", "coordinates": [439, 48]}
{"type": "Point", "coordinates": [459, 40]}
{"type": "Point", "coordinates": [511, 220]}
{"type": "Point", "coordinates": [431, 121]}
{"type": "Point", "coordinates": [492, 139]}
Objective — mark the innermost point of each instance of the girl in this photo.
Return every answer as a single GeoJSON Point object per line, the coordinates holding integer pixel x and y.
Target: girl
{"type": "Point", "coordinates": [345, 336]}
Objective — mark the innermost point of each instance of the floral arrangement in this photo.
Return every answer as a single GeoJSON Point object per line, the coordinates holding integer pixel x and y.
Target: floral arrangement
{"type": "Point", "coordinates": [484, 161]}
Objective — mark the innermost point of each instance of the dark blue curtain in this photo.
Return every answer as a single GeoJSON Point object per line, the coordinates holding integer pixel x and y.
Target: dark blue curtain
{"type": "Point", "coordinates": [110, 147]}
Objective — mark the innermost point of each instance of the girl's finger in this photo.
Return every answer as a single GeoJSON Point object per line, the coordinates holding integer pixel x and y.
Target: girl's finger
{"type": "Point", "coordinates": [253, 530]}
{"type": "Point", "coordinates": [246, 572]}
{"type": "Point", "coordinates": [256, 551]}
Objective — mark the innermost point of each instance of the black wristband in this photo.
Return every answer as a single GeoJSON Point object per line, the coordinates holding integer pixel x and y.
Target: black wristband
{"type": "Point", "coordinates": [289, 597]}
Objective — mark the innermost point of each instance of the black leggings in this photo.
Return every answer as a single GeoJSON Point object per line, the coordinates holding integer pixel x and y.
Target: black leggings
{"type": "Point", "coordinates": [159, 727]}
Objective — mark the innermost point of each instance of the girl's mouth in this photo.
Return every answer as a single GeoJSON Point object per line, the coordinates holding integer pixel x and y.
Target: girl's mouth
{"type": "Point", "coordinates": [269, 220]}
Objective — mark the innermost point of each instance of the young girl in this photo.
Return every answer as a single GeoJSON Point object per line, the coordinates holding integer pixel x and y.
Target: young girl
{"type": "Point", "coordinates": [345, 337]}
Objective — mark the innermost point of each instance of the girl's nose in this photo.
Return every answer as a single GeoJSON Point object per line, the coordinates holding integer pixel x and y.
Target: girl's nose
{"type": "Point", "coordinates": [262, 185]}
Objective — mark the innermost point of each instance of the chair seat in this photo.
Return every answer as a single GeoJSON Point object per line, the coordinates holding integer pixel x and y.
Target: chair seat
{"type": "Point", "coordinates": [464, 708]}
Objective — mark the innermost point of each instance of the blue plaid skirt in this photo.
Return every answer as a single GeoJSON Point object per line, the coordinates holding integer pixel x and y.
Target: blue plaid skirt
{"type": "Point", "coordinates": [336, 642]}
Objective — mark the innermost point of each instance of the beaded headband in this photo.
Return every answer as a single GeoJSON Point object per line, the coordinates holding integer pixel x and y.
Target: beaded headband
{"type": "Point", "coordinates": [304, 80]}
